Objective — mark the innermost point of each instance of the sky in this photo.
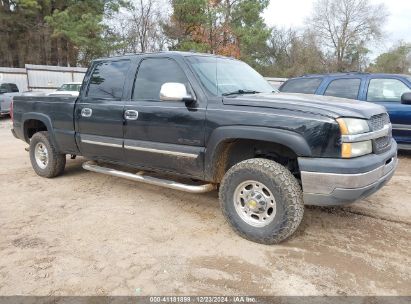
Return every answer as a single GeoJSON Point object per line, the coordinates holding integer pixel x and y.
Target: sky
{"type": "Point", "coordinates": [293, 13]}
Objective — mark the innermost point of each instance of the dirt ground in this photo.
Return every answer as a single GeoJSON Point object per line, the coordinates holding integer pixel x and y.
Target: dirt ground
{"type": "Point", "coordinates": [90, 234]}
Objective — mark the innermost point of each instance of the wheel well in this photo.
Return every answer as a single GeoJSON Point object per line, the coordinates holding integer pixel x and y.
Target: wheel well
{"type": "Point", "coordinates": [32, 126]}
{"type": "Point", "coordinates": [231, 152]}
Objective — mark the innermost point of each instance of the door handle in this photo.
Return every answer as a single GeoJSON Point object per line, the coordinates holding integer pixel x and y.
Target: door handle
{"type": "Point", "coordinates": [86, 112]}
{"type": "Point", "coordinates": [131, 115]}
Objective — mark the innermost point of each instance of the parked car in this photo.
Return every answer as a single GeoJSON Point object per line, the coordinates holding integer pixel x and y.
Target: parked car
{"type": "Point", "coordinates": [216, 120]}
{"type": "Point", "coordinates": [67, 89]}
{"type": "Point", "coordinates": [7, 91]}
{"type": "Point", "coordinates": [389, 90]}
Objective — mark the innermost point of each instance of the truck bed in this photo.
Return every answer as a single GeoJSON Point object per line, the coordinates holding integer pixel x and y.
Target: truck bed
{"type": "Point", "coordinates": [57, 114]}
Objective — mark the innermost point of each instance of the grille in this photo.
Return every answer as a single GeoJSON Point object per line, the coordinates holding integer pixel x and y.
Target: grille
{"type": "Point", "coordinates": [383, 143]}
{"type": "Point", "coordinates": [377, 122]}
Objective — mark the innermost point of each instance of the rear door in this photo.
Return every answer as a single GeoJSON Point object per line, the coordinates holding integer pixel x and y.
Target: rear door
{"type": "Point", "coordinates": [165, 135]}
{"type": "Point", "coordinates": [99, 111]}
{"type": "Point", "coordinates": [387, 92]}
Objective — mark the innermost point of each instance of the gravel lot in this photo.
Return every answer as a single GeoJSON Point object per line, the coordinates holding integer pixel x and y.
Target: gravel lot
{"type": "Point", "coordinates": [90, 234]}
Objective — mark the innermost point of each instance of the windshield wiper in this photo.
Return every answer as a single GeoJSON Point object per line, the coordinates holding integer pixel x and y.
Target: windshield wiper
{"type": "Point", "coordinates": [241, 92]}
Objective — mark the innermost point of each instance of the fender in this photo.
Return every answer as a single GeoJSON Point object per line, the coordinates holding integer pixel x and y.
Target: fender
{"type": "Point", "coordinates": [44, 119]}
{"type": "Point", "coordinates": [290, 139]}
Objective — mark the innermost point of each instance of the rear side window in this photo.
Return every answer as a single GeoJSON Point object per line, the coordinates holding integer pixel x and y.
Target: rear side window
{"type": "Point", "coordinates": [345, 88]}
{"type": "Point", "coordinates": [303, 85]}
{"type": "Point", "coordinates": [152, 74]}
{"type": "Point", "coordinates": [107, 79]}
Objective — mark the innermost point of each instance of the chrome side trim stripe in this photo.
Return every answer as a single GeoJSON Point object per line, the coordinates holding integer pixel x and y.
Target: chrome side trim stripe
{"type": "Point", "coordinates": [367, 136]}
{"type": "Point", "coordinates": [399, 127]}
{"type": "Point", "coordinates": [142, 146]}
{"type": "Point", "coordinates": [174, 153]}
{"type": "Point", "coordinates": [99, 143]}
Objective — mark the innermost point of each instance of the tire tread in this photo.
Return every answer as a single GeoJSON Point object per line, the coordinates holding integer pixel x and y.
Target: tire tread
{"type": "Point", "coordinates": [289, 187]}
{"type": "Point", "coordinates": [57, 161]}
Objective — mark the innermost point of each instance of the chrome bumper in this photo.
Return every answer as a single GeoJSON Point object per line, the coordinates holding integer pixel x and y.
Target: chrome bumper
{"type": "Point", "coordinates": [337, 189]}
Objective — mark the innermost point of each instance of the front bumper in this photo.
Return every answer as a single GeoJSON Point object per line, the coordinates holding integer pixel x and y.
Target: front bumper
{"type": "Point", "coordinates": [328, 182]}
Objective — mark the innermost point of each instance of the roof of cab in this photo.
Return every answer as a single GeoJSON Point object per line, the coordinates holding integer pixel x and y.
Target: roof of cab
{"type": "Point", "coordinates": [170, 53]}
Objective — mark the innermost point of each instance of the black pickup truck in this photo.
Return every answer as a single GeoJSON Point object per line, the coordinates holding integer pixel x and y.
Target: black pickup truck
{"type": "Point", "coordinates": [213, 122]}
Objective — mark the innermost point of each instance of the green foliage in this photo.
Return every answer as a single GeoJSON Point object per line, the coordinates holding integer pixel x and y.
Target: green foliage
{"type": "Point", "coordinates": [81, 23]}
{"type": "Point", "coordinates": [397, 60]}
{"type": "Point", "coordinates": [251, 31]}
{"type": "Point", "coordinates": [57, 32]}
{"type": "Point", "coordinates": [227, 27]}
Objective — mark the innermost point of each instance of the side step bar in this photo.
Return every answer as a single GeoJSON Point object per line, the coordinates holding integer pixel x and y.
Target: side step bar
{"type": "Point", "coordinates": [92, 166]}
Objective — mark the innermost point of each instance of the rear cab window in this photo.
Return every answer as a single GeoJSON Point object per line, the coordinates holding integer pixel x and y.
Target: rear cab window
{"type": "Point", "coordinates": [344, 88]}
{"type": "Point", "coordinates": [302, 85]}
{"type": "Point", "coordinates": [107, 79]}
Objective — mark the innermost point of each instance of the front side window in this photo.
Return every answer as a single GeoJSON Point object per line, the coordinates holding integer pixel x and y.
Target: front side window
{"type": "Point", "coordinates": [386, 90]}
{"type": "Point", "coordinates": [222, 76]}
{"type": "Point", "coordinates": [152, 74]}
{"type": "Point", "coordinates": [303, 85]}
{"type": "Point", "coordinates": [344, 88]}
{"type": "Point", "coordinates": [107, 80]}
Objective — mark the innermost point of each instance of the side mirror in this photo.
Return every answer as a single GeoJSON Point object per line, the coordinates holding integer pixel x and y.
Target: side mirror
{"type": "Point", "coordinates": [406, 98]}
{"type": "Point", "coordinates": [174, 91]}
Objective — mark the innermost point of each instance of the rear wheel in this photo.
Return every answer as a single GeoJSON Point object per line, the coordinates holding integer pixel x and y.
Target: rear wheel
{"type": "Point", "coordinates": [45, 159]}
{"type": "Point", "coordinates": [262, 200]}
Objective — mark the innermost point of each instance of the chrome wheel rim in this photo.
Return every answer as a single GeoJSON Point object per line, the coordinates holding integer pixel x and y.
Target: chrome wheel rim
{"type": "Point", "coordinates": [41, 155]}
{"type": "Point", "coordinates": [255, 203]}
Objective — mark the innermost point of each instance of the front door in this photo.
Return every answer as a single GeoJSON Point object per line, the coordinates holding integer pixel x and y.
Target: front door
{"type": "Point", "coordinates": [99, 112]}
{"type": "Point", "coordinates": [387, 92]}
{"type": "Point", "coordinates": [166, 135]}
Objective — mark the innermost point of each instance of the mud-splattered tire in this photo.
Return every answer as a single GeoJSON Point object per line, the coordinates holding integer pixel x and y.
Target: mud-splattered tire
{"type": "Point", "coordinates": [45, 159]}
{"type": "Point", "coordinates": [270, 187]}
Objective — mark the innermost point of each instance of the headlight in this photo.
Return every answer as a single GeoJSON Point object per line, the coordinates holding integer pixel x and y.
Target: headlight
{"type": "Point", "coordinates": [356, 149]}
{"type": "Point", "coordinates": [351, 126]}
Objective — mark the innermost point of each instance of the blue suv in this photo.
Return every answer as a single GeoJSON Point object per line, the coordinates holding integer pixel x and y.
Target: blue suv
{"type": "Point", "coordinates": [389, 90]}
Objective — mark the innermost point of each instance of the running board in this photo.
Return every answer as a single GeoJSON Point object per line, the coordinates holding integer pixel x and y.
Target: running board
{"type": "Point", "coordinates": [92, 166]}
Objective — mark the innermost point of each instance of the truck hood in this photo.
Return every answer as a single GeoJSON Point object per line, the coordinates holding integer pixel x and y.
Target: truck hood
{"type": "Point", "coordinates": [323, 105]}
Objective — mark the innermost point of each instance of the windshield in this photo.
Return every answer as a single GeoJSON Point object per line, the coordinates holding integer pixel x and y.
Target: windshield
{"type": "Point", "coordinates": [224, 76]}
{"type": "Point", "coordinates": [70, 87]}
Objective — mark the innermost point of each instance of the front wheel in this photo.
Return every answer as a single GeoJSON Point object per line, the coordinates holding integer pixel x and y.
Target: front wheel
{"type": "Point", "coordinates": [262, 200]}
{"type": "Point", "coordinates": [45, 159]}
